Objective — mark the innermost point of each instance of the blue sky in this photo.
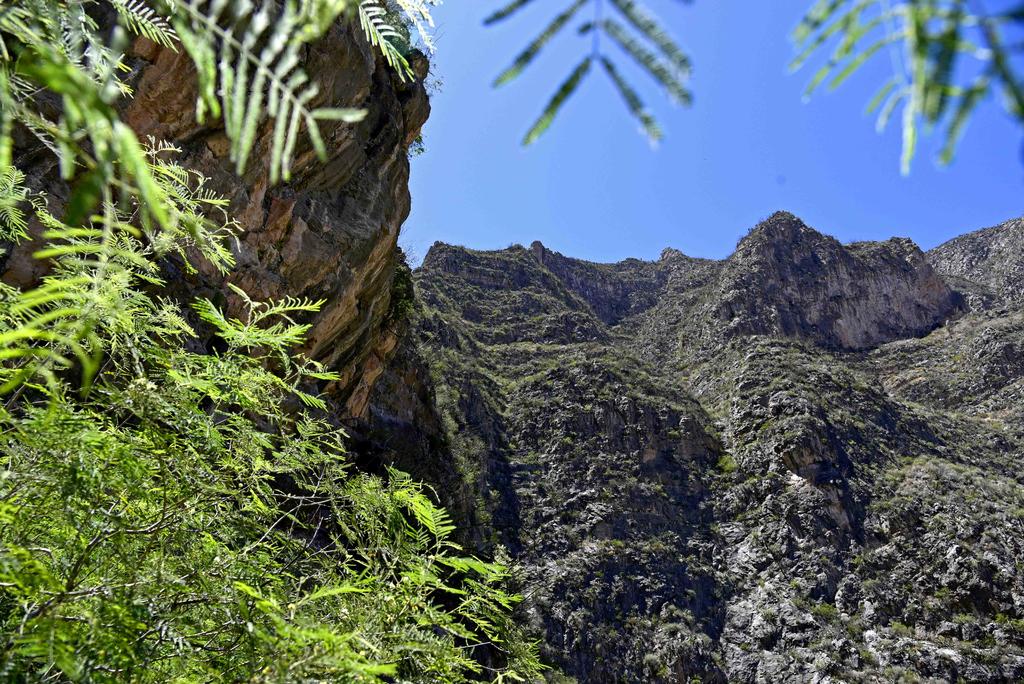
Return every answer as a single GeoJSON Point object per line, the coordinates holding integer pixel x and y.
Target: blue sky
{"type": "Point", "coordinates": [593, 188]}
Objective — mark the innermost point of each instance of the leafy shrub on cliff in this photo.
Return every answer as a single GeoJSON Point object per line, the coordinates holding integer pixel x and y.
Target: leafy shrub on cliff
{"type": "Point", "coordinates": [403, 292]}
{"type": "Point", "coordinates": [168, 515]}
{"type": "Point", "coordinates": [178, 522]}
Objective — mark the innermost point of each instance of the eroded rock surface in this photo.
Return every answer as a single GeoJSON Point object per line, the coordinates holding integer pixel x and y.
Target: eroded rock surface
{"type": "Point", "coordinates": [787, 279]}
{"type": "Point", "coordinates": [330, 233]}
{"type": "Point", "coordinates": [986, 262]}
{"type": "Point", "coordinates": [797, 464]}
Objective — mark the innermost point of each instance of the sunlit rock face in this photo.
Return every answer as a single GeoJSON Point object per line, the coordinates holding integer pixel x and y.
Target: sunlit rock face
{"type": "Point", "coordinates": [787, 279]}
{"type": "Point", "coordinates": [329, 233]}
{"type": "Point", "coordinates": [800, 463]}
{"type": "Point", "coordinates": [988, 264]}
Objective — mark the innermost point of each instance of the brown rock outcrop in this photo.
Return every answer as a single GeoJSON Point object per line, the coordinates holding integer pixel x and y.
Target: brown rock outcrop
{"type": "Point", "coordinates": [330, 233]}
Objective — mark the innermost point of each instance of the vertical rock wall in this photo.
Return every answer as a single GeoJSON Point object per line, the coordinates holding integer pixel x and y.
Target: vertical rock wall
{"type": "Point", "coordinates": [330, 233]}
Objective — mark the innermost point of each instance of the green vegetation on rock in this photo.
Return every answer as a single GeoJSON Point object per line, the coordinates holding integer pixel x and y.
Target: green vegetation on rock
{"type": "Point", "coordinates": [714, 470]}
{"type": "Point", "coordinates": [176, 501]}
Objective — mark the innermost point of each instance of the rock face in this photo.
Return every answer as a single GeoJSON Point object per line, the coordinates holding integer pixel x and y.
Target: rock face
{"type": "Point", "coordinates": [990, 260]}
{"type": "Point", "coordinates": [330, 233]}
{"type": "Point", "coordinates": [797, 464]}
{"type": "Point", "coordinates": [787, 279]}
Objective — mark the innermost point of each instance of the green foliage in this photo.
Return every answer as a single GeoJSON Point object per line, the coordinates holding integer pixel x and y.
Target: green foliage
{"type": "Point", "coordinates": [649, 27]}
{"type": "Point", "coordinates": [13, 196]}
{"type": "Point", "coordinates": [145, 22]}
{"type": "Point", "coordinates": [825, 611]}
{"type": "Point", "coordinates": [167, 515]}
{"type": "Point", "coordinates": [947, 57]}
{"type": "Point", "coordinates": [247, 62]}
{"type": "Point", "coordinates": [373, 19]}
{"type": "Point", "coordinates": [388, 24]}
{"type": "Point", "coordinates": [901, 629]}
{"type": "Point", "coordinates": [632, 99]}
{"type": "Point", "coordinates": [403, 292]}
{"type": "Point", "coordinates": [178, 523]}
{"type": "Point", "coordinates": [246, 55]}
{"type": "Point", "coordinates": [663, 73]}
{"type": "Point", "coordinates": [417, 13]}
{"type": "Point", "coordinates": [533, 49]}
{"type": "Point", "coordinates": [727, 464]}
{"type": "Point", "coordinates": [563, 93]}
{"type": "Point", "coordinates": [664, 61]}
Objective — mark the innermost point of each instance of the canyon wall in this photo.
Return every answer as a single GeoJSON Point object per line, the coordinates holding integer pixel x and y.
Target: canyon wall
{"type": "Point", "coordinates": [801, 463]}
{"type": "Point", "coordinates": [330, 233]}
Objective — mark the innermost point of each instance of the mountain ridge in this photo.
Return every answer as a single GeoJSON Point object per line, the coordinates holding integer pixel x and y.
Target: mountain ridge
{"type": "Point", "coordinates": [690, 497]}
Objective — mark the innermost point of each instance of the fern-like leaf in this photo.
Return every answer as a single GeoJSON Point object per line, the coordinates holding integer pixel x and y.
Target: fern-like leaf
{"type": "Point", "coordinates": [565, 90]}
{"type": "Point", "coordinates": [251, 81]}
{"type": "Point", "coordinates": [13, 198]}
{"type": "Point", "coordinates": [670, 67]}
{"type": "Point", "coordinates": [144, 21]}
{"type": "Point", "coordinates": [524, 58]}
{"type": "Point", "coordinates": [928, 41]}
{"type": "Point", "coordinates": [968, 102]}
{"type": "Point", "coordinates": [633, 102]}
{"type": "Point", "coordinates": [382, 35]}
{"type": "Point", "coordinates": [418, 12]}
{"type": "Point", "coordinates": [645, 23]}
{"type": "Point", "coordinates": [661, 72]}
{"type": "Point", "coordinates": [506, 11]}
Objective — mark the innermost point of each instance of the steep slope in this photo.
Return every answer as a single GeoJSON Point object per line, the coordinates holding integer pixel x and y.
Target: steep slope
{"type": "Point", "coordinates": [786, 279]}
{"type": "Point", "coordinates": [988, 262]}
{"type": "Point", "coordinates": [798, 463]}
{"type": "Point", "coordinates": [585, 491]}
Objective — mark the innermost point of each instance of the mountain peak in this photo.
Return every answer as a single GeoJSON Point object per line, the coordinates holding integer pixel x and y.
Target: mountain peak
{"type": "Point", "coordinates": [787, 278]}
{"type": "Point", "coordinates": [782, 229]}
{"type": "Point", "coordinates": [539, 250]}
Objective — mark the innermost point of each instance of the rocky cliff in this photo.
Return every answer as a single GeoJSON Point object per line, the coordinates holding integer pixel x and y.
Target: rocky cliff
{"type": "Point", "coordinates": [789, 280]}
{"type": "Point", "coordinates": [799, 463]}
{"type": "Point", "coordinates": [988, 262]}
{"type": "Point", "coordinates": [330, 233]}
